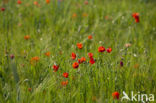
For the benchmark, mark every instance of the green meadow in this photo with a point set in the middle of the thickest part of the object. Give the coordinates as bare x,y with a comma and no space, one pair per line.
36,36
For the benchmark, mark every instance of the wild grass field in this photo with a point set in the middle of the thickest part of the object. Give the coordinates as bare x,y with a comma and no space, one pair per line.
77,51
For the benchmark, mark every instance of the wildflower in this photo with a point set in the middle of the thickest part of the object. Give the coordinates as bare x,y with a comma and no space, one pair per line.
92,61
55,68
86,2
90,55
115,95
64,83
90,37
47,54
19,2
74,15
36,3
36,58
121,63
12,56
26,37
29,89
136,17
65,75
47,1
101,49
2,9
73,56
109,50
83,59
75,65
79,45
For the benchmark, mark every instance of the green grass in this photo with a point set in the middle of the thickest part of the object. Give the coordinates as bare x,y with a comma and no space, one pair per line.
52,28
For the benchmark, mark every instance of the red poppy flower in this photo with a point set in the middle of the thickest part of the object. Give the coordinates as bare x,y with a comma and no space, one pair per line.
115,95
19,1
12,56
2,9
74,15
26,37
47,54
29,89
83,59
73,56
90,55
101,49
64,83
92,61
90,37
109,50
65,75
47,1
75,65
136,17
34,60
79,45
86,2
55,68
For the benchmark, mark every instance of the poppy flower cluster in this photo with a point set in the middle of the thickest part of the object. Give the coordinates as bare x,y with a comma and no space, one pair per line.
136,17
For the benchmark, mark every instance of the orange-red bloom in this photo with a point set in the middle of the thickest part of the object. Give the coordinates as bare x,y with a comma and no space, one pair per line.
26,37
90,37
64,83
92,61
101,49
65,75
86,2
109,50
73,56
83,59
79,45
2,9
19,2
47,54
47,1
136,17
29,89
75,65
55,68
115,95
36,3
90,55
34,59
74,15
